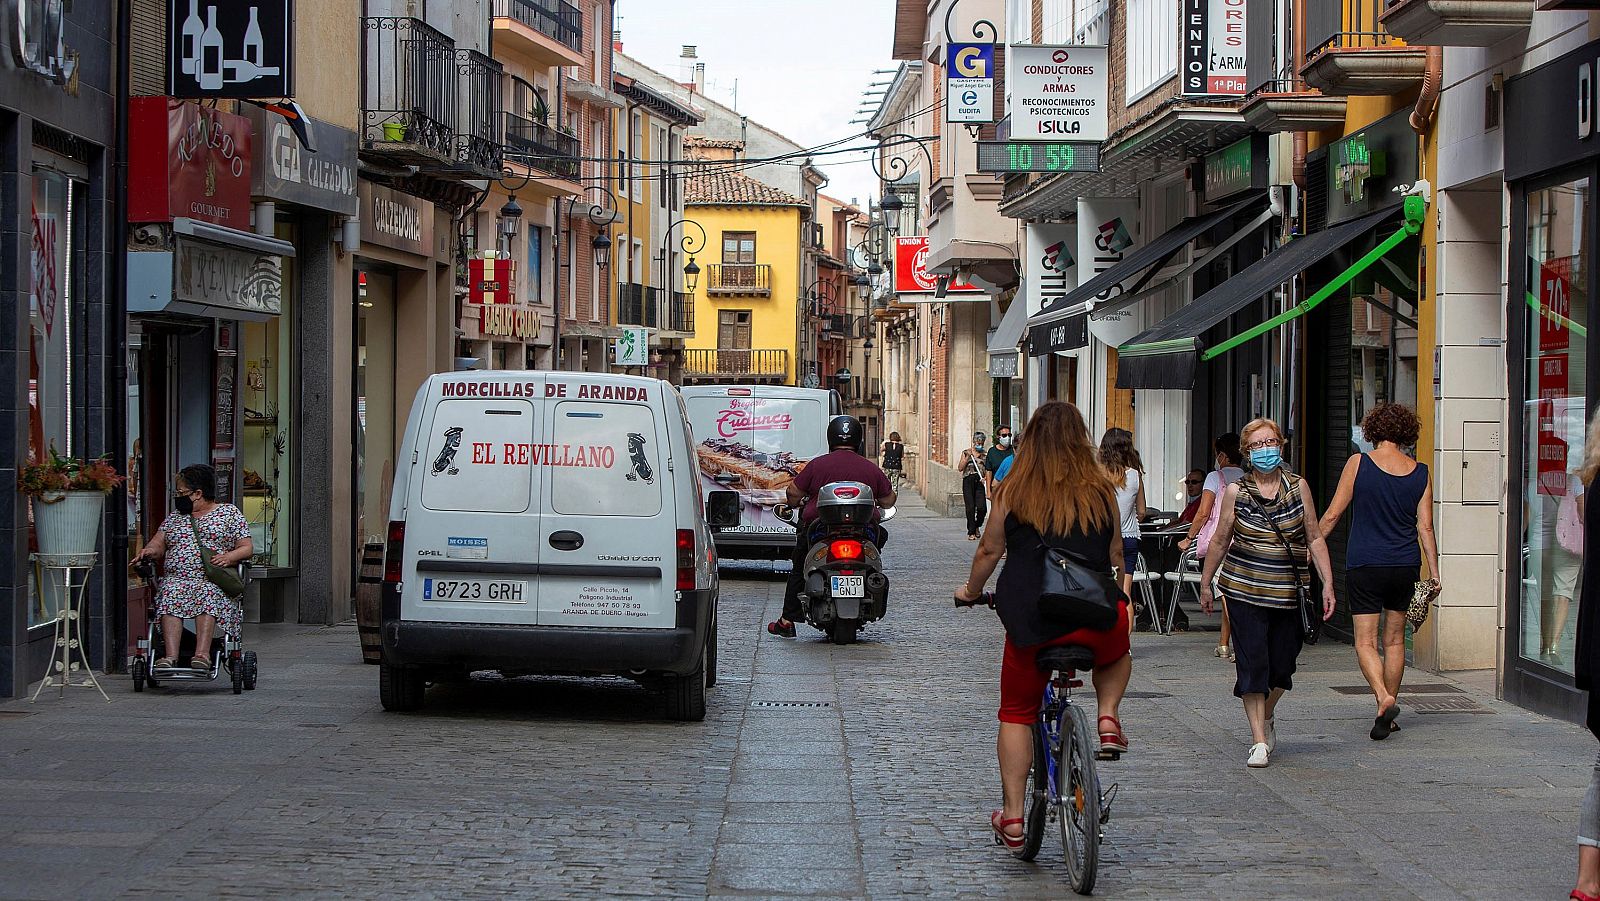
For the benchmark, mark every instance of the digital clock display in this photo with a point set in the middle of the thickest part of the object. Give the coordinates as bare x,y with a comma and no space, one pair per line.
1038,156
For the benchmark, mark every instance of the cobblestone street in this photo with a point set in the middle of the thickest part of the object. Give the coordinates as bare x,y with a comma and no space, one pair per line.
862,771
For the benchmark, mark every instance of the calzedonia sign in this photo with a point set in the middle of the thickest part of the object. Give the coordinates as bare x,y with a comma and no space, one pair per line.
393,219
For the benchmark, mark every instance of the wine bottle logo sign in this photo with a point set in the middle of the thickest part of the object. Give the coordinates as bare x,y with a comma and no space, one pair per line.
221,49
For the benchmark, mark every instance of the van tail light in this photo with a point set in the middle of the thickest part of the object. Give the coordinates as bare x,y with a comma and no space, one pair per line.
686,574
394,554
845,550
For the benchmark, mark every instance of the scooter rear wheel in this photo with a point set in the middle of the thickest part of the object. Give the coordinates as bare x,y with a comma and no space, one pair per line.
843,631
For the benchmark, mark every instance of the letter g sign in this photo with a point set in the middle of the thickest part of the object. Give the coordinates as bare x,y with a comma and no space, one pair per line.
971,60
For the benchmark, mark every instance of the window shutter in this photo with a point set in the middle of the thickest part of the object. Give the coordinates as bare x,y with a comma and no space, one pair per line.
148,42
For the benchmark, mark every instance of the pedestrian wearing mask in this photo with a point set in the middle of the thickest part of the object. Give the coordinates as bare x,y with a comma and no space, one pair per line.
197,525
1228,460
1586,667
1267,530
974,490
1391,513
997,456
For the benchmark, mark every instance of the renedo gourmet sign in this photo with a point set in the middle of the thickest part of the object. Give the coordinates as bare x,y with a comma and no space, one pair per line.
1058,93
187,161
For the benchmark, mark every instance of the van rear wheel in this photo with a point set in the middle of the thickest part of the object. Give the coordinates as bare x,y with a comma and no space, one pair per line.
686,694
400,688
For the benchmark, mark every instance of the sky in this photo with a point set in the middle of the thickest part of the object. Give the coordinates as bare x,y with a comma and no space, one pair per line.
799,66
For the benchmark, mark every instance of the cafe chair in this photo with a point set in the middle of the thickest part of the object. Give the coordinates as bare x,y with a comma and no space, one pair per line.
1186,575
1143,579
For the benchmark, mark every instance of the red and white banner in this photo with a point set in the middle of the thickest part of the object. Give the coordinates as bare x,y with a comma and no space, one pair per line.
1551,446
491,281
911,269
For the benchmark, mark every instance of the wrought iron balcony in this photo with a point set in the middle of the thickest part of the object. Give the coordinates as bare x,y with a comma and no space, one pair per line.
733,363
639,305
682,312
739,278
541,146
410,86
1349,53
478,145
548,31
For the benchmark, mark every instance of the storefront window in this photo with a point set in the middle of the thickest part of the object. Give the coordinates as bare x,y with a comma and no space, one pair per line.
266,441
54,254
1383,357
1554,410
375,407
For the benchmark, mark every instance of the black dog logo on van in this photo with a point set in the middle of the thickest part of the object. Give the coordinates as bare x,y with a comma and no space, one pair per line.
641,467
445,462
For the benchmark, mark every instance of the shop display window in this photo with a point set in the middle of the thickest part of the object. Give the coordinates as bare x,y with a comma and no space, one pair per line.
1554,411
266,434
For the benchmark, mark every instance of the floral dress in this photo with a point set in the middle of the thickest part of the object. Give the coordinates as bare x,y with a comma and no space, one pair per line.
185,592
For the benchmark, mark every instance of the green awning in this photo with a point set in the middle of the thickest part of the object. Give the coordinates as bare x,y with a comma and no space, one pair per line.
1169,354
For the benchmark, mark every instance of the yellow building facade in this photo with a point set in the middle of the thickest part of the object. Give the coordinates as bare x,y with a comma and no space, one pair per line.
746,300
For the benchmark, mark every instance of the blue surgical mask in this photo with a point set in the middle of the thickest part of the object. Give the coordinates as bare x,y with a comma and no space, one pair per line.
1266,459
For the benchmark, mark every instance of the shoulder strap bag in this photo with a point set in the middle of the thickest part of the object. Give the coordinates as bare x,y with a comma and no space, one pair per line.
226,578
1073,595
1310,616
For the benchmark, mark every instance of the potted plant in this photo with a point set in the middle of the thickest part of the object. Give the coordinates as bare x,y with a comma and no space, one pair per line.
394,131
68,498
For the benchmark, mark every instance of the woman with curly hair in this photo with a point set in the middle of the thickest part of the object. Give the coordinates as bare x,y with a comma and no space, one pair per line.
1391,514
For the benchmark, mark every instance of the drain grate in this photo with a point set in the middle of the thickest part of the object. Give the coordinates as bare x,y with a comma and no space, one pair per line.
14,714
1444,705
1146,695
1422,688
791,704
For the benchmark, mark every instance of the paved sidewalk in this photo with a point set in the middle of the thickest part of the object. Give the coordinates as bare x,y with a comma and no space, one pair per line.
861,771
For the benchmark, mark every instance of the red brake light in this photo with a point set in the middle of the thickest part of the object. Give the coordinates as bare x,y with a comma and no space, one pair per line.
686,560
394,554
847,492
845,550
738,392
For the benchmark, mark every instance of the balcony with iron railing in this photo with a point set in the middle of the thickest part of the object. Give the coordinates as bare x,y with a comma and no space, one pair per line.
540,146
732,279
682,313
479,152
409,91
1348,52
736,363
638,305
1287,103
547,32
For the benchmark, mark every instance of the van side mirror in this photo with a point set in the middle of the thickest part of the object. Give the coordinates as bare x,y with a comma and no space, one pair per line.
724,509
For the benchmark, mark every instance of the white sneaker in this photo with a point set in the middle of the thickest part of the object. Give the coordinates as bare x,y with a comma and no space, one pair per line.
1272,735
1259,754
1222,650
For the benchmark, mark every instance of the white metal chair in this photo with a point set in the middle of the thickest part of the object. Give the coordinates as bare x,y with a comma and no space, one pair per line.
1142,579
1187,574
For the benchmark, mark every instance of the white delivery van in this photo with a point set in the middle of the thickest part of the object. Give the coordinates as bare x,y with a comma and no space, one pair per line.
754,439
550,522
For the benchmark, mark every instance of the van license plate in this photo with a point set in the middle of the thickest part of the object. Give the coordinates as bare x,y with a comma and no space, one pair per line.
849,586
489,591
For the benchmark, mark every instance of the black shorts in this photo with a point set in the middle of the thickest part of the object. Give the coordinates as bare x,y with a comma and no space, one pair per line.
1374,589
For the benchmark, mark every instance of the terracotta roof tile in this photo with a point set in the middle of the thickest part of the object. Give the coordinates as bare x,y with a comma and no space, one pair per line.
723,188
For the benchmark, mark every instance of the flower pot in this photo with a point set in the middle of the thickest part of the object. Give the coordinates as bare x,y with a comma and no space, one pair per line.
394,131
68,522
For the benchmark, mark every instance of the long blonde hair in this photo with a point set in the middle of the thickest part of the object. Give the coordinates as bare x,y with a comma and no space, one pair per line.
1057,484
1590,467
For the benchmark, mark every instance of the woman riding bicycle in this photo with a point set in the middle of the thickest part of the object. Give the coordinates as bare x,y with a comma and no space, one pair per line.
1057,495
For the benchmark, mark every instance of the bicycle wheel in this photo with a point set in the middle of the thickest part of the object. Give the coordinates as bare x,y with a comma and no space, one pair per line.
1080,800
1037,799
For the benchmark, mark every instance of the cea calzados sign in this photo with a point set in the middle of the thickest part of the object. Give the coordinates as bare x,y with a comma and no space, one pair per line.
1058,92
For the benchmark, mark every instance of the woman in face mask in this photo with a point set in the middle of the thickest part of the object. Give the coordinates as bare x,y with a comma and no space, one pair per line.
1267,530
185,591
974,490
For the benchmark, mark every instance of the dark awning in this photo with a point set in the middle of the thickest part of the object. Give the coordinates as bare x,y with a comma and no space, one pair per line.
1150,256
1168,354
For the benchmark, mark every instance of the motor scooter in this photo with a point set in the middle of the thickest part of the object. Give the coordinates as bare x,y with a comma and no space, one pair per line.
845,587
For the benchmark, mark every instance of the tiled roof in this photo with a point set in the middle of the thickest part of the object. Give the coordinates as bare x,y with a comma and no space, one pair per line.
715,143
724,188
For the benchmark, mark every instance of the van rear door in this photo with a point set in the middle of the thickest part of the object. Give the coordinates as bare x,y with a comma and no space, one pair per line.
471,545
608,533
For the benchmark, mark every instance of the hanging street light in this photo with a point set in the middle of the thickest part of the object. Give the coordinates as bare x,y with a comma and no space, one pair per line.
602,249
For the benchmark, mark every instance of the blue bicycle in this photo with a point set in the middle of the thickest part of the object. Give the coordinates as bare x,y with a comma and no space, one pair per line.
1063,786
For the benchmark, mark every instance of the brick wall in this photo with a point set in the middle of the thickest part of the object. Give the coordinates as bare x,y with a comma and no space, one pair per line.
1123,115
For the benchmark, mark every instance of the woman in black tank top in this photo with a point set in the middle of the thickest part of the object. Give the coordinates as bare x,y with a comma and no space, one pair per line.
1057,495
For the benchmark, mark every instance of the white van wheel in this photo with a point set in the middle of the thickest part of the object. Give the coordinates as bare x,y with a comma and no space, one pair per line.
686,695
400,688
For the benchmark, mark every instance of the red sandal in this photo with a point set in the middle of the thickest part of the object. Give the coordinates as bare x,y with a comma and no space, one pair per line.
1013,843
1580,896
1112,741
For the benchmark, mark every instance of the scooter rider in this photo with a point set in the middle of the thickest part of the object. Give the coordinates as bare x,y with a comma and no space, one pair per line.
842,463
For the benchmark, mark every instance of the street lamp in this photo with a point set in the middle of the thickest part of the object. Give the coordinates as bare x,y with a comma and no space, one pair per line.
687,243
510,218
602,249
691,276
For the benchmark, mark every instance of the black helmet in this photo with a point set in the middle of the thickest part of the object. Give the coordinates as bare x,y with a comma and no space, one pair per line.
845,431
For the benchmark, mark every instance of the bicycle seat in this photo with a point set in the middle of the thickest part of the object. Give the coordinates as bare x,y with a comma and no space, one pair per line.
1062,657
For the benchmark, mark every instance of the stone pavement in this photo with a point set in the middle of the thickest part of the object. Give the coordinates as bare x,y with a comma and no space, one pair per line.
861,771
